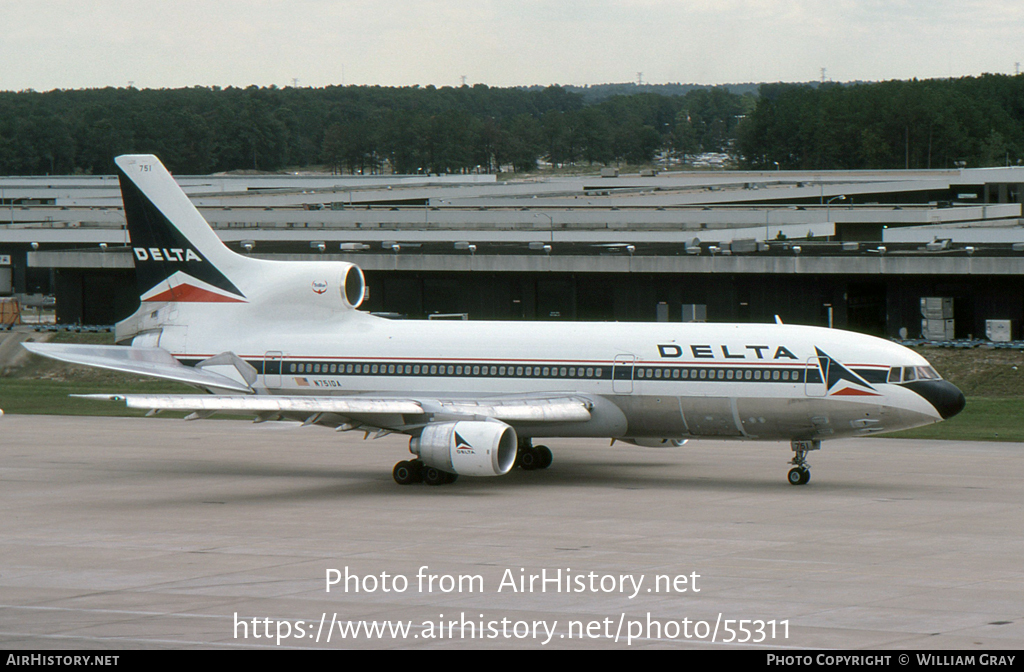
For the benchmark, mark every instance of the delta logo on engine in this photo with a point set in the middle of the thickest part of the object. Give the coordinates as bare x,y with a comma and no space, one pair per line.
462,446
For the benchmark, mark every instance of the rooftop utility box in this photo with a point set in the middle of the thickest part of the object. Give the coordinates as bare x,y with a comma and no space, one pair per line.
999,331
744,245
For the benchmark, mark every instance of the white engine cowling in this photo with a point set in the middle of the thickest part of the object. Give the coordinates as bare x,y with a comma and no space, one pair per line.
331,285
647,442
470,448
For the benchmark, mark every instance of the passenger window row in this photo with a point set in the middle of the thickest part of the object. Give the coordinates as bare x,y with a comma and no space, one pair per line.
467,370
680,373
754,375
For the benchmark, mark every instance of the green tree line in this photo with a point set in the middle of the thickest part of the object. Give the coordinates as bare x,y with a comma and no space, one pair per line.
942,123
973,121
355,129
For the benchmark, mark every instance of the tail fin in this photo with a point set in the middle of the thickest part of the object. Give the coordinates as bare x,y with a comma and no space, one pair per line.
178,257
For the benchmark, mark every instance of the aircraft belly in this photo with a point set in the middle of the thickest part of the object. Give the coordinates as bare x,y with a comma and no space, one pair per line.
724,417
711,416
658,416
755,418
809,418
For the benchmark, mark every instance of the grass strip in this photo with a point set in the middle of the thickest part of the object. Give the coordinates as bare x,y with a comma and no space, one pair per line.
983,419
50,397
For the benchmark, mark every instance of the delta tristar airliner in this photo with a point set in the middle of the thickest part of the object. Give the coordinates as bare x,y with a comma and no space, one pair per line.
285,340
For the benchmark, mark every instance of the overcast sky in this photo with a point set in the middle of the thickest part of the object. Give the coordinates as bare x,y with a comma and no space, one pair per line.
48,44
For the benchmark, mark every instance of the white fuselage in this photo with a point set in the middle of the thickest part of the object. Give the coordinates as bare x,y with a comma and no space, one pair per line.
744,381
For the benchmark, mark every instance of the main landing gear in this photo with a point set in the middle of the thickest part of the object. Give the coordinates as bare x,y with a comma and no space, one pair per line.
532,457
801,471
408,472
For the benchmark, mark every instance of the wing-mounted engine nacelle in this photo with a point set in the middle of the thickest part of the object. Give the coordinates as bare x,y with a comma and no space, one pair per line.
647,442
318,285
470,448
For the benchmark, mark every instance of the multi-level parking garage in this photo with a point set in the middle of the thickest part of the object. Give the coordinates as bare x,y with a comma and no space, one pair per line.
852,249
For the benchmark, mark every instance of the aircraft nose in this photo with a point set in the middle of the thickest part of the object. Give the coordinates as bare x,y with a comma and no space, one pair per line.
946,397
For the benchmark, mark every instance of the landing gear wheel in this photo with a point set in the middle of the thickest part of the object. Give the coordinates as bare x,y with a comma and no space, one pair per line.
544,457
529,459
406,472
799,476
434,476
801,472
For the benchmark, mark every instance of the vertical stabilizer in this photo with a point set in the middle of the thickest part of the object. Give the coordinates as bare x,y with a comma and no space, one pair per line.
178,257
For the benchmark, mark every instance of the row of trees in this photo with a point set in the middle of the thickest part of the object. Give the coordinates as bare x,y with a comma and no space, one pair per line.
368,129
972,121
978,121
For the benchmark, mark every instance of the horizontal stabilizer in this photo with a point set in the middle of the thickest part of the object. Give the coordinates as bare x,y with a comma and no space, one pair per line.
155,362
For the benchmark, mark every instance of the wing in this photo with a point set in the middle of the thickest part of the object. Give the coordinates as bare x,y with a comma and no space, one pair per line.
155,362
229,373
356,412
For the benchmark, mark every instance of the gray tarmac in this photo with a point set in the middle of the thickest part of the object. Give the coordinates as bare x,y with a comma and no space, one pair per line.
122,533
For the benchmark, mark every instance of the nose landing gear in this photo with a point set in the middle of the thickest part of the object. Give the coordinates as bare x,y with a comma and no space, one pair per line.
800,474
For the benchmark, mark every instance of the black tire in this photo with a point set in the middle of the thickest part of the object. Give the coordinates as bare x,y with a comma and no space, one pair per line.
529,459
452,478
796,476
806,476
405,473
544,456
434,476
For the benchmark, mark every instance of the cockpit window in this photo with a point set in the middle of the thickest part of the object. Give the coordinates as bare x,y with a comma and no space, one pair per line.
906,374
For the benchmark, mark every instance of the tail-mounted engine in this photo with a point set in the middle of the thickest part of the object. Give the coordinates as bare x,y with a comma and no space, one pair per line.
470,448
315,285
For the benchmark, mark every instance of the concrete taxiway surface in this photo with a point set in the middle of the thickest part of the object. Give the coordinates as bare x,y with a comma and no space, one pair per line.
146,533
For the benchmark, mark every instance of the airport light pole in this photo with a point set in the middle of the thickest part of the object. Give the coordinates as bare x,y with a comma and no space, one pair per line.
828,206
